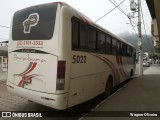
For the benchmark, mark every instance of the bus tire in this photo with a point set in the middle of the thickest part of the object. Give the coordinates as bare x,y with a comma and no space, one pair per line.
108,87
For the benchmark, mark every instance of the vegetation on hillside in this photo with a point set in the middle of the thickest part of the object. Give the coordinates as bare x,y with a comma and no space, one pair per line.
147,44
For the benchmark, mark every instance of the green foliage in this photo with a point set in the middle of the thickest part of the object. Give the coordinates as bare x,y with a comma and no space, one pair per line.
147,44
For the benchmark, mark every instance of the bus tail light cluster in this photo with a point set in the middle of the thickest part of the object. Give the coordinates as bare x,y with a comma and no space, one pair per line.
61,67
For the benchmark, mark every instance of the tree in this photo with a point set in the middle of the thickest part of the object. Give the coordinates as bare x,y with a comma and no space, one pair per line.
147,45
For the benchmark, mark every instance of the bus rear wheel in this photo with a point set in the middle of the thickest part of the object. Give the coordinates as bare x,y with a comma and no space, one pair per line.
109,87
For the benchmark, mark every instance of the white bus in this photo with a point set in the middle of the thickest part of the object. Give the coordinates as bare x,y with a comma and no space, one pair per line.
60,58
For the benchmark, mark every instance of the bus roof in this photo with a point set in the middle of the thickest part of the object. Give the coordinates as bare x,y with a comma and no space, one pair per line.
89,21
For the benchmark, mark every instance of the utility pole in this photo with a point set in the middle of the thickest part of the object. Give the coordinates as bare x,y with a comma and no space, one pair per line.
140,39
136,7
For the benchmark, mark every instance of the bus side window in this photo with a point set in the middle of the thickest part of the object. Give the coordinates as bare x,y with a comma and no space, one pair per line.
114,46
131,52
75,35
91,40
83,37
101,47
118,48
128,49
108,45
124,49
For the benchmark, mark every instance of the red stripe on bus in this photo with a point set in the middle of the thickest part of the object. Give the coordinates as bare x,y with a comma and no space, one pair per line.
120,65
29,66
115,71
20,83
32,68
84,19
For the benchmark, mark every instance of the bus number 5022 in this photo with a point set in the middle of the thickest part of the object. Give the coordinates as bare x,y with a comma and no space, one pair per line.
79,59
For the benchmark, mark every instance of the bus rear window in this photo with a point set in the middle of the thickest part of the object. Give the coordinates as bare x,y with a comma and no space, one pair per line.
34,23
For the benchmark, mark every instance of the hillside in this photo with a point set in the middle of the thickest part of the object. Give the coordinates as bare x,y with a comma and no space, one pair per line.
147,44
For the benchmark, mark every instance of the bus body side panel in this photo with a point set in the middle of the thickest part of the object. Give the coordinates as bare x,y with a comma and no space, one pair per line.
88,79
127,67
90,71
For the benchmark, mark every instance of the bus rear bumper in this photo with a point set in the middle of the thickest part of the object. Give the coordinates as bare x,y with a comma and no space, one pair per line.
56,101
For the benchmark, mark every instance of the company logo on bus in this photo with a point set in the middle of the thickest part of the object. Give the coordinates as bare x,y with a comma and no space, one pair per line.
30,22
26,75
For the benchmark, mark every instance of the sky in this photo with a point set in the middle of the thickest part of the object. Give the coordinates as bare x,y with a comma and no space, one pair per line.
116,22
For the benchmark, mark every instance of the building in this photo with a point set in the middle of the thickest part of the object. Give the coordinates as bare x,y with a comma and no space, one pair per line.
154,8
3,56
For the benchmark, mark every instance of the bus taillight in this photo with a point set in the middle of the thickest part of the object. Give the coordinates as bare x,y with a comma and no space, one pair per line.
61,67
